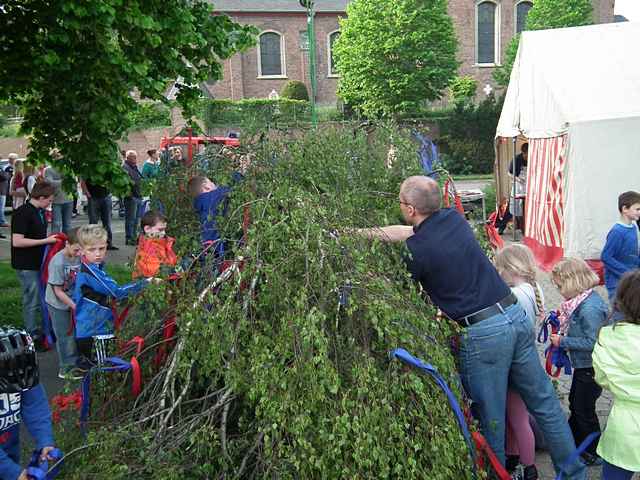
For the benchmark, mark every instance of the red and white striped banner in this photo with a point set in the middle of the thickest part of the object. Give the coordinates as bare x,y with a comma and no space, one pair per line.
544,216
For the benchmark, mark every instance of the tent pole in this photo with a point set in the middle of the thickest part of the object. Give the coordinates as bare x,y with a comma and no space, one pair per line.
513,187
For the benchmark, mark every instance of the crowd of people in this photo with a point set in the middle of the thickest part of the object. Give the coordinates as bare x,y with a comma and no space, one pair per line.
496,306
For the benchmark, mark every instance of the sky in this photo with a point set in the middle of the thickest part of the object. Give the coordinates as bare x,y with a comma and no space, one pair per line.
628,8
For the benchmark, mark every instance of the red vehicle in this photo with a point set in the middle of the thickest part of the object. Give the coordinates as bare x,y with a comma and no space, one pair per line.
191,145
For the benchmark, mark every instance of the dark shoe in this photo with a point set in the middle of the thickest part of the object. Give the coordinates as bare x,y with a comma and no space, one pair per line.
2,236
112,247
131,242
512,462
40,344
591,459
5,225
84,364
530,472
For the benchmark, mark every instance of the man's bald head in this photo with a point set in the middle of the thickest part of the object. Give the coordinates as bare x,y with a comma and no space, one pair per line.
423,193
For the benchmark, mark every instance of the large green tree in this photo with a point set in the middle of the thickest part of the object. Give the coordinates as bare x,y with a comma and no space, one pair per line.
72,66
392,55
546,14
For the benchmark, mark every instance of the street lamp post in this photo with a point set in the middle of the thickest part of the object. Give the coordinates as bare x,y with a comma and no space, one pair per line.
309,4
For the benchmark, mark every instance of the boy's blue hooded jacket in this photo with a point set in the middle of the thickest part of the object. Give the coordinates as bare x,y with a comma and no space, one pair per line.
32,407
209,205
94,290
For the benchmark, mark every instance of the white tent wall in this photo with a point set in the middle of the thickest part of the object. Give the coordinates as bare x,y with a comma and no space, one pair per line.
572,75
603,161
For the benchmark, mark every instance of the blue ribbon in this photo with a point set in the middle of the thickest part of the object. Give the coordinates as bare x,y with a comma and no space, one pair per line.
576,453
559,358
116,364
551,321
38,469
404,356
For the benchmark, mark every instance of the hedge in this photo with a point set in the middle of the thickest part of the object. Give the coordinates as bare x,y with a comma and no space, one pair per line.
256,111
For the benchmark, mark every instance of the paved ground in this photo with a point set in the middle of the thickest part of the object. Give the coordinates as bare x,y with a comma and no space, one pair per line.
49,367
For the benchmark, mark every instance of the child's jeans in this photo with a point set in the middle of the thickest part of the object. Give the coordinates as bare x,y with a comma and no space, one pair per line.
520,438
65,339
31,313
611,472
583,419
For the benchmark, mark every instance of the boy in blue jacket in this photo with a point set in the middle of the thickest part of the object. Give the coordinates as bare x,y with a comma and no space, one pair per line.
621,252
21,398
95,290
210,201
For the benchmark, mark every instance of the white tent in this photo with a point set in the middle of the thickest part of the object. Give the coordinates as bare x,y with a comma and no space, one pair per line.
574,93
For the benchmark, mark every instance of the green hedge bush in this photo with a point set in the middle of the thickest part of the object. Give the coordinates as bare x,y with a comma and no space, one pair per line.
295,90
467,136
255,111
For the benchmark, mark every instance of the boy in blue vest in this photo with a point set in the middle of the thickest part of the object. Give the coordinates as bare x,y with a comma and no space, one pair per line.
22,398
95,291
621,252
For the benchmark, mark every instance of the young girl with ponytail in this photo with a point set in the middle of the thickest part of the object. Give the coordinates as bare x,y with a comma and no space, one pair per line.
516,266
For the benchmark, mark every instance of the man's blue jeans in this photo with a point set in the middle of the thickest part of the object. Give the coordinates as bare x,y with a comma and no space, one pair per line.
101,208
3,204
62,213
31,312
65,338
131,217
500,352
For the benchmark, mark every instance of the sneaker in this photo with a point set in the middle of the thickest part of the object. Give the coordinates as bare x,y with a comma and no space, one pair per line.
112,247
530,472
84,365
71,374
591,459
512,463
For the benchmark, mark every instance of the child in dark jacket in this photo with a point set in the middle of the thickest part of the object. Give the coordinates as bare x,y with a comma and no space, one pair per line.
581,315
210,201
621,252
95,290
22,398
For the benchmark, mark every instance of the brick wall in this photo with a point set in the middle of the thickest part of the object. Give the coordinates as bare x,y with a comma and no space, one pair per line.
241,71
463,14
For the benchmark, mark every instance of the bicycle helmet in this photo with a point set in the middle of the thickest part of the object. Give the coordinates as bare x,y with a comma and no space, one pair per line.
18,361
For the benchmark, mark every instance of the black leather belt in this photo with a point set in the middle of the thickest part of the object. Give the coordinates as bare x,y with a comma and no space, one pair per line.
490,311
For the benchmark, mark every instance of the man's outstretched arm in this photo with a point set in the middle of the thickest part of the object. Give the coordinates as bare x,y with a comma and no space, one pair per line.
390,233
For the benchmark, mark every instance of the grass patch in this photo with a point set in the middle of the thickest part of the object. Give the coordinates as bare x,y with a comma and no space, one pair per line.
11,311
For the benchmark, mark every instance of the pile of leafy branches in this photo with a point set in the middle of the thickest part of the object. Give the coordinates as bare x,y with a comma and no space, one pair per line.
280,368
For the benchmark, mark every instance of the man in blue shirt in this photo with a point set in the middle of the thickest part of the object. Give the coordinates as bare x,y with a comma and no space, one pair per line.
496,346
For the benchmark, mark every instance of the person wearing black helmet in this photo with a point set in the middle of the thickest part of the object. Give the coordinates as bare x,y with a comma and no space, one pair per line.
22,398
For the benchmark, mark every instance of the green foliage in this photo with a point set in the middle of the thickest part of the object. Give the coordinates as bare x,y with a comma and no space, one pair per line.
11,311
256,112
304,378
466,136
546,14
149,115
9,130
385,71
463,89
71,67
295,90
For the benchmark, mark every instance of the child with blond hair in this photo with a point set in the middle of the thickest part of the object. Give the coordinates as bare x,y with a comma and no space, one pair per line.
95,291
581,315
516,266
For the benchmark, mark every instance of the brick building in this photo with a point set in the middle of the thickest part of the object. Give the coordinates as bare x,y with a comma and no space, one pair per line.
484,29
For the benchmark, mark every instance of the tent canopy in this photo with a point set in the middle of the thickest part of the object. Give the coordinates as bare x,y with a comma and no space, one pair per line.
571,75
